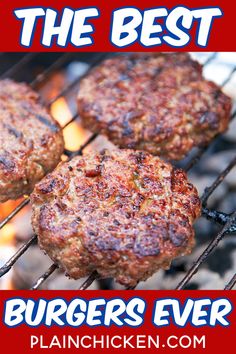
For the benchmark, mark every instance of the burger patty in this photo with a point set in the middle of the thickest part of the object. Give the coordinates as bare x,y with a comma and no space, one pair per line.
155,102
123,213
31,142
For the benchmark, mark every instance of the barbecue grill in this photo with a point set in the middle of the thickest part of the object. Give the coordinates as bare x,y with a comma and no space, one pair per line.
227,221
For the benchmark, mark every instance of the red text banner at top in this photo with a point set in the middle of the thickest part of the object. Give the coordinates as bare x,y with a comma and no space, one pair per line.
196,25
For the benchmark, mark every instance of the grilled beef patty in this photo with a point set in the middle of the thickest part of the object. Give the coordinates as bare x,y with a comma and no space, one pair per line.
122,213
155,102
31,142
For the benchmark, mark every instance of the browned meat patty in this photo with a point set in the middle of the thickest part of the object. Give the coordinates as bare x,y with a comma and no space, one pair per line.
155,102
122,213
31,142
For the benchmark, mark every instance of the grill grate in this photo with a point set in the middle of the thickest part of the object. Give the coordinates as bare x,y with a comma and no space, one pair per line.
227,220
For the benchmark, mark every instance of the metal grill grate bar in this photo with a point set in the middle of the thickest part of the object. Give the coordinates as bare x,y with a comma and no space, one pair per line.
195,159
219,217
14,212
70,87
209,190
213,244
44,277
231,283
16,67
8,265
54,66
229,77
211,57
89,281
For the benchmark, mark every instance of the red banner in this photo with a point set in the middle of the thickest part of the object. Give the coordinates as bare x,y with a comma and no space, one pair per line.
196,25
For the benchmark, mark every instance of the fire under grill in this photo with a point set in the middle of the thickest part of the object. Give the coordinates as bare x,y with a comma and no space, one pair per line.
22,65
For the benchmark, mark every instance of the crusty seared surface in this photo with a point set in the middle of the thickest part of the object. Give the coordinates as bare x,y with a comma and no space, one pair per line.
155,102
122,213
31,142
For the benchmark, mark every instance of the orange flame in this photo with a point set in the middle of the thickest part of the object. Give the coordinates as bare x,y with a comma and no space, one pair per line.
7,235
74,134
